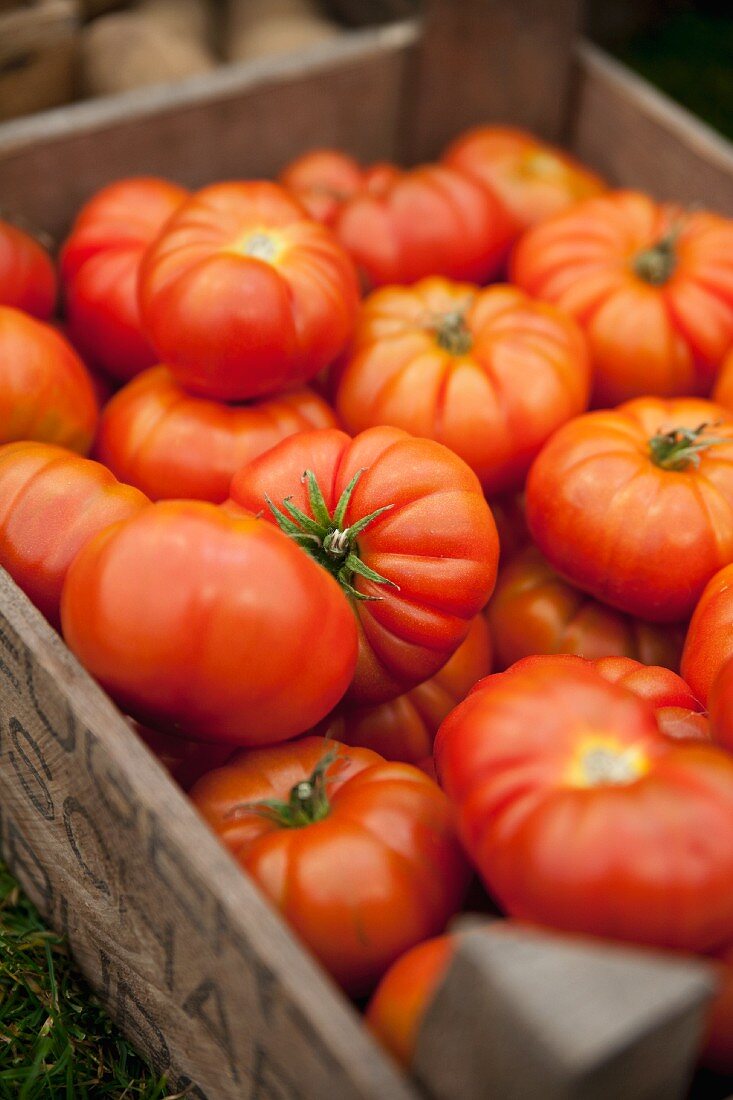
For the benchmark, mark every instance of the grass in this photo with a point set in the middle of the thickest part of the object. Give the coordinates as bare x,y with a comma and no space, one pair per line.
56,1041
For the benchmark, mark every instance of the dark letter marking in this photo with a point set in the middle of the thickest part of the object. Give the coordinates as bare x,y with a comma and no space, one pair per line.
40,797
215,1022
72,809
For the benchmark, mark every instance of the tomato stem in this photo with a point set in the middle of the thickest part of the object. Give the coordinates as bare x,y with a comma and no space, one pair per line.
326,538
307,802
681,447
655,265
452,333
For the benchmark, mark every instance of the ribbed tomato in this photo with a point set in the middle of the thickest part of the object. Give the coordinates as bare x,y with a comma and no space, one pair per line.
533,610
404,728
651,285
635,505
99,266
27,275
51,503
324,179
209,624
243,295
489,373
403,525
581,815
534,180
45,390
431,220
679,712
709,641
358,854
154,435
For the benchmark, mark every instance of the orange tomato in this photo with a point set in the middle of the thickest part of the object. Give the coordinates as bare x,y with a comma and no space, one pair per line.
489,373
709,641
651,285
324,179
723,390
27,275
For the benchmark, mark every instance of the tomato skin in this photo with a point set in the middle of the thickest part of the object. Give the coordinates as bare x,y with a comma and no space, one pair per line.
431,220
533,610
720,705
51,503
639,537
209,624
27,275
472,399
99,266
679,713
398,1005
154,435
666,339
381,872
301,302
580,815
404,728
709,641
46,392
723,389
534,180
324,179
437,542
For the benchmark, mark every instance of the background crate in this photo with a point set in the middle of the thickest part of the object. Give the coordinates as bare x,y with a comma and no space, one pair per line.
38,45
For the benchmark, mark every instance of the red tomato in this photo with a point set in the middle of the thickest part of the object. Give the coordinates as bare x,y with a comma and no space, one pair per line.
431,220
709,641
720,704
154,435
51,503
581,815
679,713
403,525
397,1007
27,276
324,179
651,285
635,505
99,267
511,523
45,390
209,624
358,854
533,180
242,295
723,389
533,610
404,728
489,373
186,760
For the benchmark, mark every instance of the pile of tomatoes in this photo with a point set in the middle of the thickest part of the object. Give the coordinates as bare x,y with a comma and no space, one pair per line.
319,413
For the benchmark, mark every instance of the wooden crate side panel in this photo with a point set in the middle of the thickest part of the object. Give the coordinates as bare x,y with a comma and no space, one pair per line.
242,121
195,967
637,137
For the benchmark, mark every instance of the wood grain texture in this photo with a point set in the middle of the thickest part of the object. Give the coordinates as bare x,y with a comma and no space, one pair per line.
488,61
522,1013
637,137
193,964
244,120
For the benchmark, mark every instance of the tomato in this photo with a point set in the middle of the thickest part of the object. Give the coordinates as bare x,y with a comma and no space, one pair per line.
51,503
709,641
154,435
717,1050
404,728
723,390
45,390
511,523
27,276
186,760
635,505
489,373
679,713
324,179
99,266
534,180
720,705
403,525
398,1005
359,855
651,285
579,814
533,610
243,295
431,220
209,624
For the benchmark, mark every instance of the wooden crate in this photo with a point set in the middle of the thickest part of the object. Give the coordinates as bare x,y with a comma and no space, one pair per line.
38,44
191,961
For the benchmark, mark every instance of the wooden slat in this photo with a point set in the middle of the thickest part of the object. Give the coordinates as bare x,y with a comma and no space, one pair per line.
637,137
193,964
243,120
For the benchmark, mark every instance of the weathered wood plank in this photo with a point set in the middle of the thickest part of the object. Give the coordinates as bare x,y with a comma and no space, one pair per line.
637,137
244,120
193,964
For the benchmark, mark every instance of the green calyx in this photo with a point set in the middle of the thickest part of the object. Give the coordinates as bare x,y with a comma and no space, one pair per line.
680,448
307,803
325,537
656,265
453,334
